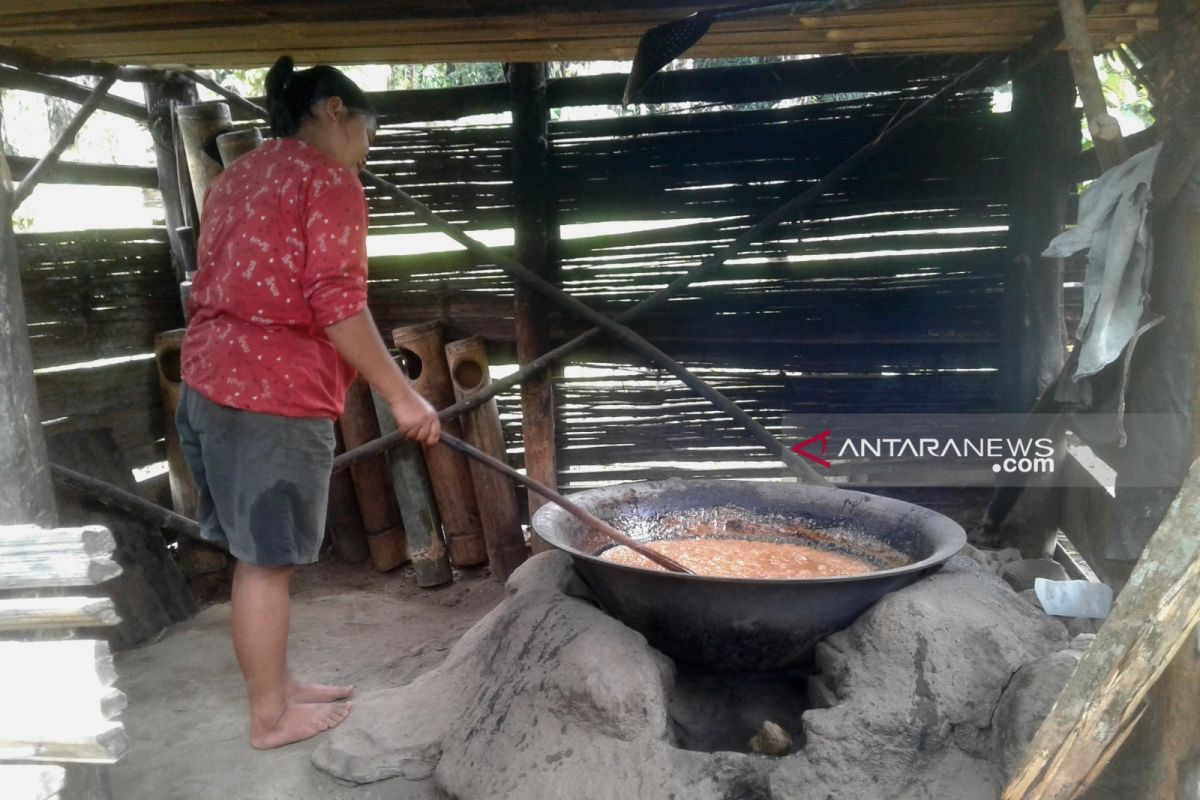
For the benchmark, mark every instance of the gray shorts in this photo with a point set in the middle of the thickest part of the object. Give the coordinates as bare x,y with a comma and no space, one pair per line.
263,480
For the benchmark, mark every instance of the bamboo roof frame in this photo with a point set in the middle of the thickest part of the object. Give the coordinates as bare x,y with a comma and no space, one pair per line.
250,33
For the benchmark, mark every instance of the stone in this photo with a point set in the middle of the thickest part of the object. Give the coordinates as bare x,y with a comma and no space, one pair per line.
1030,596
1021,574
1027,701
771,740
915,681
550,697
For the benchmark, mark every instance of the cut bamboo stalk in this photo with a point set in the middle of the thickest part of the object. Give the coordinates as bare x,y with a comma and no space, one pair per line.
235,144
40,564
56,613
343,519
372,482
424,350
90,539
1153,618
497,497
199,125
422,529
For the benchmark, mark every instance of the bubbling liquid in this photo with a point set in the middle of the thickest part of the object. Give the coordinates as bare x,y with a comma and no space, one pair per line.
741,558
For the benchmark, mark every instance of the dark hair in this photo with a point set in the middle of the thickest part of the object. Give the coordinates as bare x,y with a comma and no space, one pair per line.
291,94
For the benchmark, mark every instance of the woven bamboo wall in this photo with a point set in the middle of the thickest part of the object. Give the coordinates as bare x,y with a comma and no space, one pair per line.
872,317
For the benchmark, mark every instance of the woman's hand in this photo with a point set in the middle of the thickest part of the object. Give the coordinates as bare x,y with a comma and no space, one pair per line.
357,340
416,418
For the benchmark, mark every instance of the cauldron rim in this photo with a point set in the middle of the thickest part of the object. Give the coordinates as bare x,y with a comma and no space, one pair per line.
955,536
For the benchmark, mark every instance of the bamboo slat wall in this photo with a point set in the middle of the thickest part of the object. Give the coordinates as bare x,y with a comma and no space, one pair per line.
100,296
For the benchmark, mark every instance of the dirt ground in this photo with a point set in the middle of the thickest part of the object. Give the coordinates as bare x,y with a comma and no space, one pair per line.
186,719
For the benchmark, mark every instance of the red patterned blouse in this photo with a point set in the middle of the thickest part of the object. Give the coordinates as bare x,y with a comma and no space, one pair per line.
282,254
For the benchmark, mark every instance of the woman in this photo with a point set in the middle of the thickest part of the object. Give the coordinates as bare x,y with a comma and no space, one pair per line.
278,326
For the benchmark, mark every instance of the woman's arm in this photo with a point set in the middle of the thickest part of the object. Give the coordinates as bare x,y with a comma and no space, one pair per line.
357,340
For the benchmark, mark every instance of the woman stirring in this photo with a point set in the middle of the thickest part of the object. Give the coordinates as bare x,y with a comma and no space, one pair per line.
278,326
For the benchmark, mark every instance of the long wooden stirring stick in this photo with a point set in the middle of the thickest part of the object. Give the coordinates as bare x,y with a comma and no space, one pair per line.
590,520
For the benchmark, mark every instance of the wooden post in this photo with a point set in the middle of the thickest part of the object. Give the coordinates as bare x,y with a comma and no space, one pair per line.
534,245
495,492
1045,135
26,491
1106,132
159,97
424,350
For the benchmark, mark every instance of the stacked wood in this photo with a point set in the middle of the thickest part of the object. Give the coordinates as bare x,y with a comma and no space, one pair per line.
413,493
38,559
66,705
497,497
372,482
423,348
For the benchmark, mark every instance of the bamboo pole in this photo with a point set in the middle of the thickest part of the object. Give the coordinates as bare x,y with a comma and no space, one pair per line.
414,495
1106,131
68,90
65,140
235,144
343,520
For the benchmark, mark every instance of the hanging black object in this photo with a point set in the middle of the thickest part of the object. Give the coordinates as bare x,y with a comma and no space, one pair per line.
664,43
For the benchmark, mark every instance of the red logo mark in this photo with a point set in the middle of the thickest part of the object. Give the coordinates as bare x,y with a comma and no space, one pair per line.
823,436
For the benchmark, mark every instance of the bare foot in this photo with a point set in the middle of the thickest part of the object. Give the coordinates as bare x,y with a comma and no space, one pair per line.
298,722
316,692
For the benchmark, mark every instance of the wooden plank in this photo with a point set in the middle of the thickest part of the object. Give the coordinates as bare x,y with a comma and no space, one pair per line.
56,613
1152,619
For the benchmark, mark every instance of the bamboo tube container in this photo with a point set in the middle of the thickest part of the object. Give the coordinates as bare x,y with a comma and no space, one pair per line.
235,144
372,482
199,125
495,493
430,559
424,350
195,557
343,520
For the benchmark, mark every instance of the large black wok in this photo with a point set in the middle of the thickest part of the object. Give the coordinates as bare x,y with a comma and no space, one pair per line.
741,624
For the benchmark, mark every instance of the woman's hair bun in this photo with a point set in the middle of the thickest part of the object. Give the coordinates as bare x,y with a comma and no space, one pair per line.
291,94
280,75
